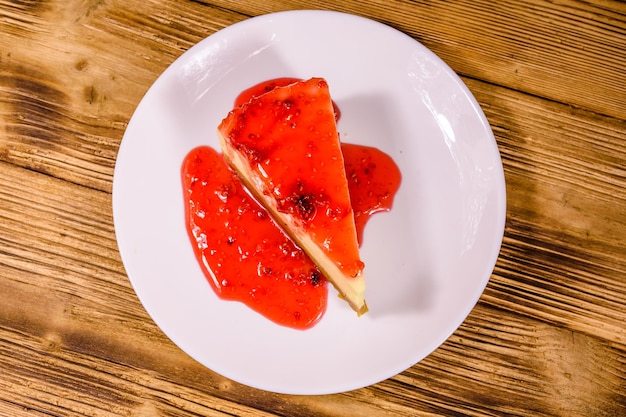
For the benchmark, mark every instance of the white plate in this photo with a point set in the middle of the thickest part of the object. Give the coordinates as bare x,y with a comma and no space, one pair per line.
427,261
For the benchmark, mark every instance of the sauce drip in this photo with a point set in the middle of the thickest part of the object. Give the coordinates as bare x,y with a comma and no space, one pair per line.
373,180
244,255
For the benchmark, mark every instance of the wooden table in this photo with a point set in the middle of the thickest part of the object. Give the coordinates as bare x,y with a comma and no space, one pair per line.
548,336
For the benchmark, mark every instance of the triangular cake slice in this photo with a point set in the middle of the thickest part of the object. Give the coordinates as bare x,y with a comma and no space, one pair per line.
285,147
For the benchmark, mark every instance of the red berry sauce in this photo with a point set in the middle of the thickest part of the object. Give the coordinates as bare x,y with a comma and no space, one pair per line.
242,252
373,180
244,255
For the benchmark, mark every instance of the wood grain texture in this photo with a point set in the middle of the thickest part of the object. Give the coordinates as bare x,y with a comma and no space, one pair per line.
72,73
547,338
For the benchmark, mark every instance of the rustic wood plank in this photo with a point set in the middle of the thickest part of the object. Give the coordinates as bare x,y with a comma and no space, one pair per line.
547,337
510,365
66,382
72,73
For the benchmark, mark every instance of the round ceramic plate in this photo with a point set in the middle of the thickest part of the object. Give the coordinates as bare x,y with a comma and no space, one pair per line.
427,261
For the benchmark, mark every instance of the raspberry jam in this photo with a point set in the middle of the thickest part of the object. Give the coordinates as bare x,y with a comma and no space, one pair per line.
241,251
244,255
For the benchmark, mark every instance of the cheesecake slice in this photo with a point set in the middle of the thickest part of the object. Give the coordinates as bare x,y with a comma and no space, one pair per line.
284,146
